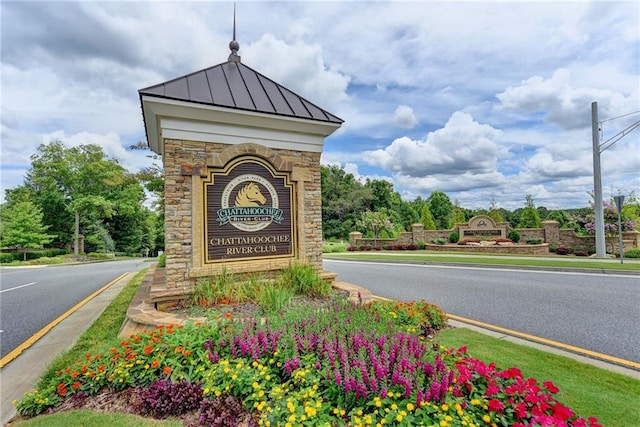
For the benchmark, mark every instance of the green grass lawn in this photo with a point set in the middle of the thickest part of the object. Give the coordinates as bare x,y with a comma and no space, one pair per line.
613,398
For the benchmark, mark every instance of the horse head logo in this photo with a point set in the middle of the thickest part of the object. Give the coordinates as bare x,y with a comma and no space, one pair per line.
250,195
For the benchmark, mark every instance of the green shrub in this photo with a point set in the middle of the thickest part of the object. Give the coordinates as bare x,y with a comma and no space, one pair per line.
162,260
534,240
514,236
7,257
273,298
454,237
333,247
553,247
421,245
632,253
439,241
303,279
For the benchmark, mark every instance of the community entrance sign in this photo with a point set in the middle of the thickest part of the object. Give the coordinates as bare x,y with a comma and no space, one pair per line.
482,226
250,212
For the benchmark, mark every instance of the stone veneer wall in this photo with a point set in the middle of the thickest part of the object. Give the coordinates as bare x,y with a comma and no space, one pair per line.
550,232
185,165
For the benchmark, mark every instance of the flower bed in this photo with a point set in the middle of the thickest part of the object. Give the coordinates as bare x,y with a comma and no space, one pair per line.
352,365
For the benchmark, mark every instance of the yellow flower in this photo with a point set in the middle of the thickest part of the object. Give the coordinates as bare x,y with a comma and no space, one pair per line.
445,407
410,407
486,419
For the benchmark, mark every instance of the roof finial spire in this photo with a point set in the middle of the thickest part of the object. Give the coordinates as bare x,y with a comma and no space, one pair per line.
234,45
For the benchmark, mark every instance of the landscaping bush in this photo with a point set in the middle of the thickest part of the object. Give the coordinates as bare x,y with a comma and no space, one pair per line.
534,240
514,236
632,253
421,245
164,398
7,257
162,260
562,250
454,237
553,247
438,241
581,253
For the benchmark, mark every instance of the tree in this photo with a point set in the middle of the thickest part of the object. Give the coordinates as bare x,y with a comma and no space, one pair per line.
375,222
441,209
562,217
611,223
343,200
21,226
494,212
79,187
457,216
529,217
427,219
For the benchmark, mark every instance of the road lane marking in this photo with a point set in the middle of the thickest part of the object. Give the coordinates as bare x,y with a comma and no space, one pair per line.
35,337
18,287
570,348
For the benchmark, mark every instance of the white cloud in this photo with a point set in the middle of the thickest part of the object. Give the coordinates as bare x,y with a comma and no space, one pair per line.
299,67
461,146
562,104
405,117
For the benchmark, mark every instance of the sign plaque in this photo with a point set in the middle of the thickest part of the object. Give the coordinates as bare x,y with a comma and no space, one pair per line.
249,212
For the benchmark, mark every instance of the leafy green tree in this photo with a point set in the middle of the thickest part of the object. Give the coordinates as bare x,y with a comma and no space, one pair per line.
375,223
494,212
21,226
343,200
427,219
441,209
562,217
79,186
529,217
457,216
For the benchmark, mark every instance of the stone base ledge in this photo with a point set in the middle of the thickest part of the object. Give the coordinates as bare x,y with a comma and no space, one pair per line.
143,313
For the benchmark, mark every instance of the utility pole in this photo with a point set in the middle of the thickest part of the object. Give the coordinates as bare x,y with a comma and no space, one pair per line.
597,183
597,174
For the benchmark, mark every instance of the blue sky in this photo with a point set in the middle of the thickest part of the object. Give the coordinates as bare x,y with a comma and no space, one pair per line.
482,100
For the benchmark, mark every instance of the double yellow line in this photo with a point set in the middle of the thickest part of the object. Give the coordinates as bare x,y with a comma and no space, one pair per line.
35,337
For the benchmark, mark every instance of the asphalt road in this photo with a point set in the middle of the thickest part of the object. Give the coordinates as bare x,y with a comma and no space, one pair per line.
598,312
31,298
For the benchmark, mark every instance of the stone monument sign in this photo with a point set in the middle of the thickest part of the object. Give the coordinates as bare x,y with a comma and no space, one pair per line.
241,158
483,227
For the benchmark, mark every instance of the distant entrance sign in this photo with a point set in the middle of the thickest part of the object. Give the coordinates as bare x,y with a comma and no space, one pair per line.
249,212
482,226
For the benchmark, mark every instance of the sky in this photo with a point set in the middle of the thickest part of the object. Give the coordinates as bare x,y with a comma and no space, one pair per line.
485,101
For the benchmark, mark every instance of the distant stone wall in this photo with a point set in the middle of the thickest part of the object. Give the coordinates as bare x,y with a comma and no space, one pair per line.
550,233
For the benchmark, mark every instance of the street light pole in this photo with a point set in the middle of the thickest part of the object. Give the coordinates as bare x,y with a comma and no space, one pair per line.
597,183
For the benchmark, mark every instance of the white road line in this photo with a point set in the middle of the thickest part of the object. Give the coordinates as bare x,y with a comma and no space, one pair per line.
18,287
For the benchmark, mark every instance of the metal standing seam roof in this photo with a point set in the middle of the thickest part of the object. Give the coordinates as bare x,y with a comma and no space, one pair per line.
234,85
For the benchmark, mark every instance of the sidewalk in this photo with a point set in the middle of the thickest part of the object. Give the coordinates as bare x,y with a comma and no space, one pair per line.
23,373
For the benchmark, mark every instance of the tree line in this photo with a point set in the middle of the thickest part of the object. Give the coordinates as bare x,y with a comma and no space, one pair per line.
347,205
73,191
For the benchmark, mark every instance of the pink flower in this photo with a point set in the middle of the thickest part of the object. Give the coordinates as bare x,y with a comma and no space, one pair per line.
551,387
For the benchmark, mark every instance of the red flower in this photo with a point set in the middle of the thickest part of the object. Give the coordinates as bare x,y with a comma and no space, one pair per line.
495,405
76,385
166,370
551,387
148,349
155,364
561,412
